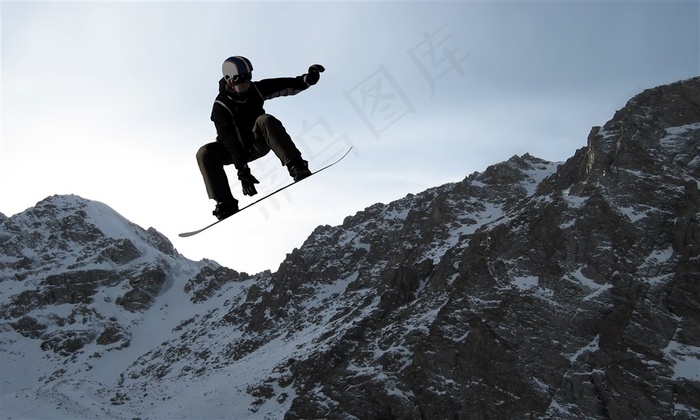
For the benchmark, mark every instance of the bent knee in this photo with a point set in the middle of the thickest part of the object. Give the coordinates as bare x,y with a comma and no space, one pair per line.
202,153
209,151
266,119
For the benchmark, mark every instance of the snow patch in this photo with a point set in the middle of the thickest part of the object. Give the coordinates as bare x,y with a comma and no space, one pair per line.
574,201
633,214
597,289
591,347
686,360
538,174
526,283
674,134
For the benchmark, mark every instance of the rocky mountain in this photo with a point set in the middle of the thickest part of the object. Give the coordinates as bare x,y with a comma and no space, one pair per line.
530,290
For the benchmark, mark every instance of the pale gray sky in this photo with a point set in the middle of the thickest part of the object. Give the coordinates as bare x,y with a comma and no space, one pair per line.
111,101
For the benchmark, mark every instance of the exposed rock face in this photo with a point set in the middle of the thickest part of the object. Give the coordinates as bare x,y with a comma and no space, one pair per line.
581,299
531,290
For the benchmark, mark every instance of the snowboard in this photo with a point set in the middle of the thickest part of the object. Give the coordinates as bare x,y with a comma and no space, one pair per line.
194,232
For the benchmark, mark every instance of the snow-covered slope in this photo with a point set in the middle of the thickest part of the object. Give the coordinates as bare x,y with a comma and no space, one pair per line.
530,290
84,294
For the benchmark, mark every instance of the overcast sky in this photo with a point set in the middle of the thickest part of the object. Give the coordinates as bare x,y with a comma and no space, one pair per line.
110,101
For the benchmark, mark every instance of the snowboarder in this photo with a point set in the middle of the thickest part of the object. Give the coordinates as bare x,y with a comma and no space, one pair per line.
246,133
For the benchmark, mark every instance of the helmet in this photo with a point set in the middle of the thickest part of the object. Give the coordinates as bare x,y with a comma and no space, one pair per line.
235,67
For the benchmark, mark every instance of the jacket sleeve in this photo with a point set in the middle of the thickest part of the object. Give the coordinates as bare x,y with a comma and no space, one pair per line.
227,133
282,86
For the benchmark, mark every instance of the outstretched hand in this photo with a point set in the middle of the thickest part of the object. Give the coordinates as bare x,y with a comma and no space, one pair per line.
314,74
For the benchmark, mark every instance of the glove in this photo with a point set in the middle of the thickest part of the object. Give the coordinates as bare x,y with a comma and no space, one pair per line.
314,74
248,181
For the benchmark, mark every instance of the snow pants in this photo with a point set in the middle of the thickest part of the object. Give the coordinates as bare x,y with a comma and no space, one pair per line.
268,134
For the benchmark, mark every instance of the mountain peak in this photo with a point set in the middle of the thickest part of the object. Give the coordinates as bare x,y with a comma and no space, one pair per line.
672,105
653,132
84,256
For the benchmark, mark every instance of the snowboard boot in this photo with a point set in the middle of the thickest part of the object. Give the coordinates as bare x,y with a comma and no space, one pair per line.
299,169
225,209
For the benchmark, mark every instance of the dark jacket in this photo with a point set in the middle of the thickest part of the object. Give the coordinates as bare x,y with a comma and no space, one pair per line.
234,116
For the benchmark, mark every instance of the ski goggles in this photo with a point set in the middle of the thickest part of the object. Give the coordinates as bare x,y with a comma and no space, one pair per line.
240,78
